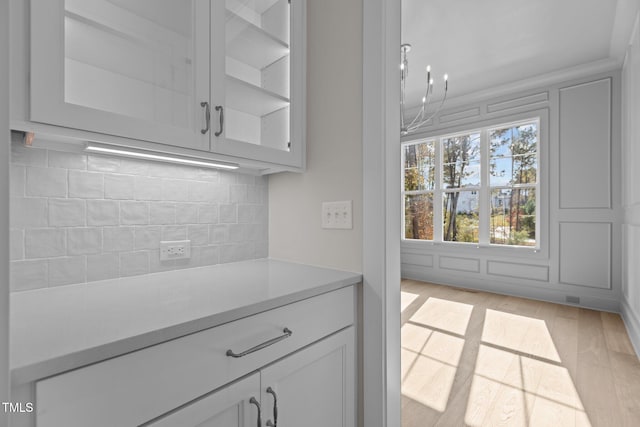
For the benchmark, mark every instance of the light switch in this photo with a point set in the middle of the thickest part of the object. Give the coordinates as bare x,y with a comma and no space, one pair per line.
337,215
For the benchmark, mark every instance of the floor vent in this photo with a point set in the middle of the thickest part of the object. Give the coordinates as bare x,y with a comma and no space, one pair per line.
573,300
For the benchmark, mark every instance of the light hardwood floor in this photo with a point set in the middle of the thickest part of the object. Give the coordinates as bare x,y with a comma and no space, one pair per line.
479,359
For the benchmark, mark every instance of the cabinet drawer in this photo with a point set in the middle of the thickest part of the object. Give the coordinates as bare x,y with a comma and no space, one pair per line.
136,387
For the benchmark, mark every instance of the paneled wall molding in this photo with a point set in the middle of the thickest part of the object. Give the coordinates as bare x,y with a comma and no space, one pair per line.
518,270
585,145
516,287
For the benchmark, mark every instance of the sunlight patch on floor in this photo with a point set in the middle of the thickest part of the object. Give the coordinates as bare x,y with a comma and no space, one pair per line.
445,315
519,333
516,390
406,298
429,361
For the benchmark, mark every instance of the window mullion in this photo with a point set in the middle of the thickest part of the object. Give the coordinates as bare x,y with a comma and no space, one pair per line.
484,203
437,194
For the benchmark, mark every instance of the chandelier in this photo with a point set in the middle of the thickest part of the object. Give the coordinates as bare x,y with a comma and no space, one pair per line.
408,125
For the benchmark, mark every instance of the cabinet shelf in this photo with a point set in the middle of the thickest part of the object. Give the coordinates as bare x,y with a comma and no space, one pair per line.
250,99
251,44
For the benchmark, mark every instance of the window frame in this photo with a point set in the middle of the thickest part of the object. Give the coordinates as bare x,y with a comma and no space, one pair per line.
484,128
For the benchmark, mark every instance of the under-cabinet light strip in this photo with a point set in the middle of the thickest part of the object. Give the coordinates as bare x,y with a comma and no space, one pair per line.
138,154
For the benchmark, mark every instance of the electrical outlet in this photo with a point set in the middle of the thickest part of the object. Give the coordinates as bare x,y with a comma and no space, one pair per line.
179,249
337,215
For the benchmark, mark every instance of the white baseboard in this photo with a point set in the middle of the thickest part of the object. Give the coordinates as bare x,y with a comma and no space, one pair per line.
632,322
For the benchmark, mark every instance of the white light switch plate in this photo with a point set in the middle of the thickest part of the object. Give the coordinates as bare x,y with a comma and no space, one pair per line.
337,215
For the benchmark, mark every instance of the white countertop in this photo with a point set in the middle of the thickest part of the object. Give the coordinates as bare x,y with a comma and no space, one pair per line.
57,329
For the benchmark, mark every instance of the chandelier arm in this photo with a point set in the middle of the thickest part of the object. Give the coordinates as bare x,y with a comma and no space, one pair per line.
413,127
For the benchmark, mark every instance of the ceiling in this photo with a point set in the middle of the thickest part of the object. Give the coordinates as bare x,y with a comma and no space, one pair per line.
483,44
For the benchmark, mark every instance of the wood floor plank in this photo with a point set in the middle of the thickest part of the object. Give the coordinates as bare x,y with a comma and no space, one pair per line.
545,365
615,333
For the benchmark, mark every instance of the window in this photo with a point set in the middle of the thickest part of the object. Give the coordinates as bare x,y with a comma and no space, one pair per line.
475,187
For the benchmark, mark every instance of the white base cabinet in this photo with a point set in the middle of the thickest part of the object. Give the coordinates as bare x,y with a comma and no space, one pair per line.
290,366
313,388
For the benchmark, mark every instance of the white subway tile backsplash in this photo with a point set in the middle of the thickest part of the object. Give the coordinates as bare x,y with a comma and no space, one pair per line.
16,244
21,155
117,239
45,242
147,188
134,213
18,178
66,212
82,241
77,217
202,191
134,263
207,214
228,214
187,213
218,234
86,185
29,212
103,163
103,212
67,271
147,237
238,193
118,187
174,232
46,182
67,160
134,167
198,234
103,267
175,190
162,213
26,275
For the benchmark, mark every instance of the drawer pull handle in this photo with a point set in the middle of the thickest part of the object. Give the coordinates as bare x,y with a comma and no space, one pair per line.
255,402
275,408
286,333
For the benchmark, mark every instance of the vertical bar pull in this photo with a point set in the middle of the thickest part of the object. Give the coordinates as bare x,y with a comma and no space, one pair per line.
255,402
207,117
275,408
221,109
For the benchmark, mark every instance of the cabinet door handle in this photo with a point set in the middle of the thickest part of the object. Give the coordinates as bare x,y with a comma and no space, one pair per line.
255,402
286,333
219,108
207,117
275,408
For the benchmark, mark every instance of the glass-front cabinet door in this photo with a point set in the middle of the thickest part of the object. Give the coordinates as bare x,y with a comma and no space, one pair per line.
262,114
131,68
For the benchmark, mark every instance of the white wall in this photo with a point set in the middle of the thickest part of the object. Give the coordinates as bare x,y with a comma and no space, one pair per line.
334,148
631,187
580,200
4,211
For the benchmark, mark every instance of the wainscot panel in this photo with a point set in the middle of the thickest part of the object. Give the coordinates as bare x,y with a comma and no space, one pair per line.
518,271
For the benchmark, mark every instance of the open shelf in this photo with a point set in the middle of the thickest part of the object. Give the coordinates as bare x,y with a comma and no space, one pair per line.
251,44
250,99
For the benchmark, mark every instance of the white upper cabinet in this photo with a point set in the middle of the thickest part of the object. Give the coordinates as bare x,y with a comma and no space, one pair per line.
215,75
263,79
131,68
